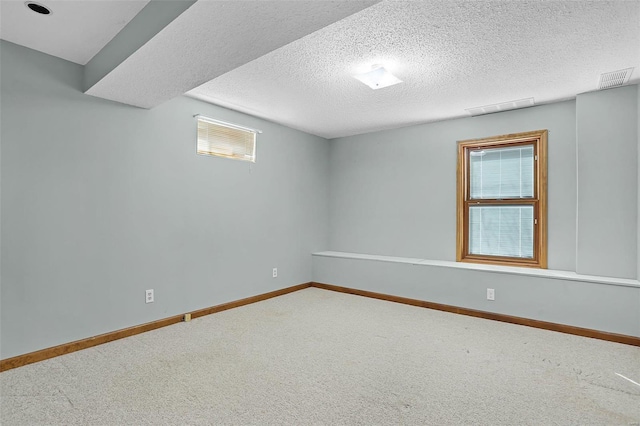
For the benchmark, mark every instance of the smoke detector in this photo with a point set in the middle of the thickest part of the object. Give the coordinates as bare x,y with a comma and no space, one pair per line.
612,79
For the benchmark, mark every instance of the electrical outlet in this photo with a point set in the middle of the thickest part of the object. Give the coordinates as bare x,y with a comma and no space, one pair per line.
148,296
275,272
491,294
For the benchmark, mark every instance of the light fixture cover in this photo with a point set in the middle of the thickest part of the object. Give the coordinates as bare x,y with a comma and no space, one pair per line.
378,78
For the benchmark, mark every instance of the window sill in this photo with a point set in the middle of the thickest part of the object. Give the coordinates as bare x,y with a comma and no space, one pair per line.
532,272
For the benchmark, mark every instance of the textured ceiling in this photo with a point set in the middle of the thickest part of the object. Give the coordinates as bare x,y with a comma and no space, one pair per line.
292,61
450,55
211,38
75,31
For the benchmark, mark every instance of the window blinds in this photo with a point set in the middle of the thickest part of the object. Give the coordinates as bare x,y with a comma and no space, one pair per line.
502,173
501,231
225,141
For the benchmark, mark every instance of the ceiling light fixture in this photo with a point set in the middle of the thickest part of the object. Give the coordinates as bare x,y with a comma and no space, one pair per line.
38,8
378,78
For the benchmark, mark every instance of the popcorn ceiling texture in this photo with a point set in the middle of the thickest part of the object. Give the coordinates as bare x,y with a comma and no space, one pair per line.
211,38
450,55
292,62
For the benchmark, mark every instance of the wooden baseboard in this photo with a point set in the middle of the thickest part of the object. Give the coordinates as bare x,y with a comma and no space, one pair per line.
30,358
585,332
248,300
41,355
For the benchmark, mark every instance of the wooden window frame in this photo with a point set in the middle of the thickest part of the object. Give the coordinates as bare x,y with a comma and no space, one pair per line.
539,140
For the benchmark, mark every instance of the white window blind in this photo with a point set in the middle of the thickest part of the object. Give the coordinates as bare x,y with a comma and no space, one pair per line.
225,140
501,231
502,200
501,173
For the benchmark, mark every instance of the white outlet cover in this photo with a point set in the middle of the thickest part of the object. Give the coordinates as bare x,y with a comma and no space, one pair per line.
149,296
491,294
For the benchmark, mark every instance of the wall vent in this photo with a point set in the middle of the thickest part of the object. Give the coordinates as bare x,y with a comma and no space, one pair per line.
612,79
504,106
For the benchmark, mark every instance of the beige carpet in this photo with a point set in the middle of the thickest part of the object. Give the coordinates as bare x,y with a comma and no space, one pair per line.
320,357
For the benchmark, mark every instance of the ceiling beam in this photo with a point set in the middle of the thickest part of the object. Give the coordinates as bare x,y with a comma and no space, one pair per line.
156,15
206,40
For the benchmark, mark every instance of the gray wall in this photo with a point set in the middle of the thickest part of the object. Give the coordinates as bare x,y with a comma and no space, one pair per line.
0,206
607,140
393,193
606,307
101,201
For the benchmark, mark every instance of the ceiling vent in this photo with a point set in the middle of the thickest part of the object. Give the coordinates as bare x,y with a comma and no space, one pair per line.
612,79
504,106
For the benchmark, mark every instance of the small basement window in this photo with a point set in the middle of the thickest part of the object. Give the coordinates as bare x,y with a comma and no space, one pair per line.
226,140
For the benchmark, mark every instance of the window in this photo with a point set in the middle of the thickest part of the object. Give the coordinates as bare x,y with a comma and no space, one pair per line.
226,140
502,200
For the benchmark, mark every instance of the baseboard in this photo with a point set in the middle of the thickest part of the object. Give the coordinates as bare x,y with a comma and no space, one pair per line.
562,328
248,300
41,355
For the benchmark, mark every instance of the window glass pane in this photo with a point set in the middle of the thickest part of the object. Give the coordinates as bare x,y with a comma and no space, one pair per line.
501,173
501,231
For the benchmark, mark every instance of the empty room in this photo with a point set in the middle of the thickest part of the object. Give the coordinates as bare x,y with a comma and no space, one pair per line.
319,212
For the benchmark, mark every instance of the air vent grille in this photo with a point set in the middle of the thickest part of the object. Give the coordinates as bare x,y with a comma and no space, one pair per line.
614,78
504,106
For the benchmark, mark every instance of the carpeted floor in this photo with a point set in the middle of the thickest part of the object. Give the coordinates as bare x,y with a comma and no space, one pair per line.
320,357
